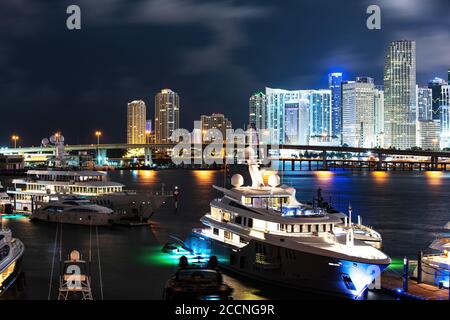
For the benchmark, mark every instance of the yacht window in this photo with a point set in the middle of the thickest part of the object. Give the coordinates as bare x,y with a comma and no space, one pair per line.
227,235
226,216
245,221
309,228
317,227
324,228
238,219
301,228
250,222
216,231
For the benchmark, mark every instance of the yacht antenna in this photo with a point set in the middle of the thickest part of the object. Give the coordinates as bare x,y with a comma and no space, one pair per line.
349,215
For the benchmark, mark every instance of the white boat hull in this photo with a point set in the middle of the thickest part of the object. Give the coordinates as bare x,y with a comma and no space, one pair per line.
300,270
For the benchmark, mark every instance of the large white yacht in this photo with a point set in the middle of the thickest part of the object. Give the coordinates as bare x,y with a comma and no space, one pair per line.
41,186
11,252
263,232
75,211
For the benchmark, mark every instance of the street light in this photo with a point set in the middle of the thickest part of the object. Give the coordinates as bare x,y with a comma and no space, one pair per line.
15,138
98,135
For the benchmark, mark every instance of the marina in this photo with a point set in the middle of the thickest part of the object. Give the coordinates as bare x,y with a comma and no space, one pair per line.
137,252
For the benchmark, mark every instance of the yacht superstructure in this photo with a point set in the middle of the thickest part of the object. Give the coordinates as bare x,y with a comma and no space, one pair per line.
263,232
41,186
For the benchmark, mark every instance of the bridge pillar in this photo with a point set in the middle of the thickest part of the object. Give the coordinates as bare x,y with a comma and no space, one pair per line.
101,157
148,157
324,160
380,162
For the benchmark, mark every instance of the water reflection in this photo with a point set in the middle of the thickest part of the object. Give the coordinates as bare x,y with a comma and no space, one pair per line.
324,176
204,176
434,178
380,177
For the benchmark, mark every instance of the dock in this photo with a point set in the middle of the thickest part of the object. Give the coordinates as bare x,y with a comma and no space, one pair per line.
421,291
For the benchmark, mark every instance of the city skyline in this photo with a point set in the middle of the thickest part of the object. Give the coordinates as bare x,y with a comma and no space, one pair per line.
108,75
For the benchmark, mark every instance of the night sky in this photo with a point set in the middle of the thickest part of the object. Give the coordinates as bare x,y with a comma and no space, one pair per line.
215,54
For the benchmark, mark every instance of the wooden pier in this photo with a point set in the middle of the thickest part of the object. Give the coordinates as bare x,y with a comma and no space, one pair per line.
394,284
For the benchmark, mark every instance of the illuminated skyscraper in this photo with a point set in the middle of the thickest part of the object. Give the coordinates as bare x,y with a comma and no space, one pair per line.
435,86
293,117
215,121
136,121
378,113
334,84
358,113
167,115
424,103
321,113
445,116
428,134
399,94
257,110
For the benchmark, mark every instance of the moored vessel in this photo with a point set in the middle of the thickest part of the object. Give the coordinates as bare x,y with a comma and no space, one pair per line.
263,232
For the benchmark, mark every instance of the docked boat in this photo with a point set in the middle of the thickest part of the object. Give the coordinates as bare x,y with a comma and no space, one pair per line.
75,211
41,186
263,232
197,282
435,267
11,253
5,201
75,279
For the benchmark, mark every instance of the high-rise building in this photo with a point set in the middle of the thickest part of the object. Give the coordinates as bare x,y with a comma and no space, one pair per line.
321,113
167,115
435,85
215,121
334,84
257,110
428,134
292,114
378,113
445,117
424,103
399,94
136,121
358,113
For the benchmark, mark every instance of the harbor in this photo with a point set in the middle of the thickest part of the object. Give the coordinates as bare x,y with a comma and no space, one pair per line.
136,252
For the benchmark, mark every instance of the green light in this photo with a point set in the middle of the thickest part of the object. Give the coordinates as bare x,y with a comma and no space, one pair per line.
13,216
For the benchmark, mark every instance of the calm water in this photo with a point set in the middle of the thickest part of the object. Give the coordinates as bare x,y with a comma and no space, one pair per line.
409,209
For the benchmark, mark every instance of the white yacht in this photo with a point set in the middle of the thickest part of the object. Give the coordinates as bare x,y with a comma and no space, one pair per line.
436,266
11,252
41,186
72,211
264,233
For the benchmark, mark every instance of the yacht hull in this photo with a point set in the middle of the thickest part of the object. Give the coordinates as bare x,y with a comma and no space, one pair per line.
10,272
78,219
290,268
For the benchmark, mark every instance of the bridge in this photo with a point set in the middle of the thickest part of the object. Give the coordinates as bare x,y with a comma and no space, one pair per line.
379,153
153,146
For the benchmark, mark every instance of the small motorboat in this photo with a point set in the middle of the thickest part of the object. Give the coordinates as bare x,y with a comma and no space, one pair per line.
75,281
197,282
